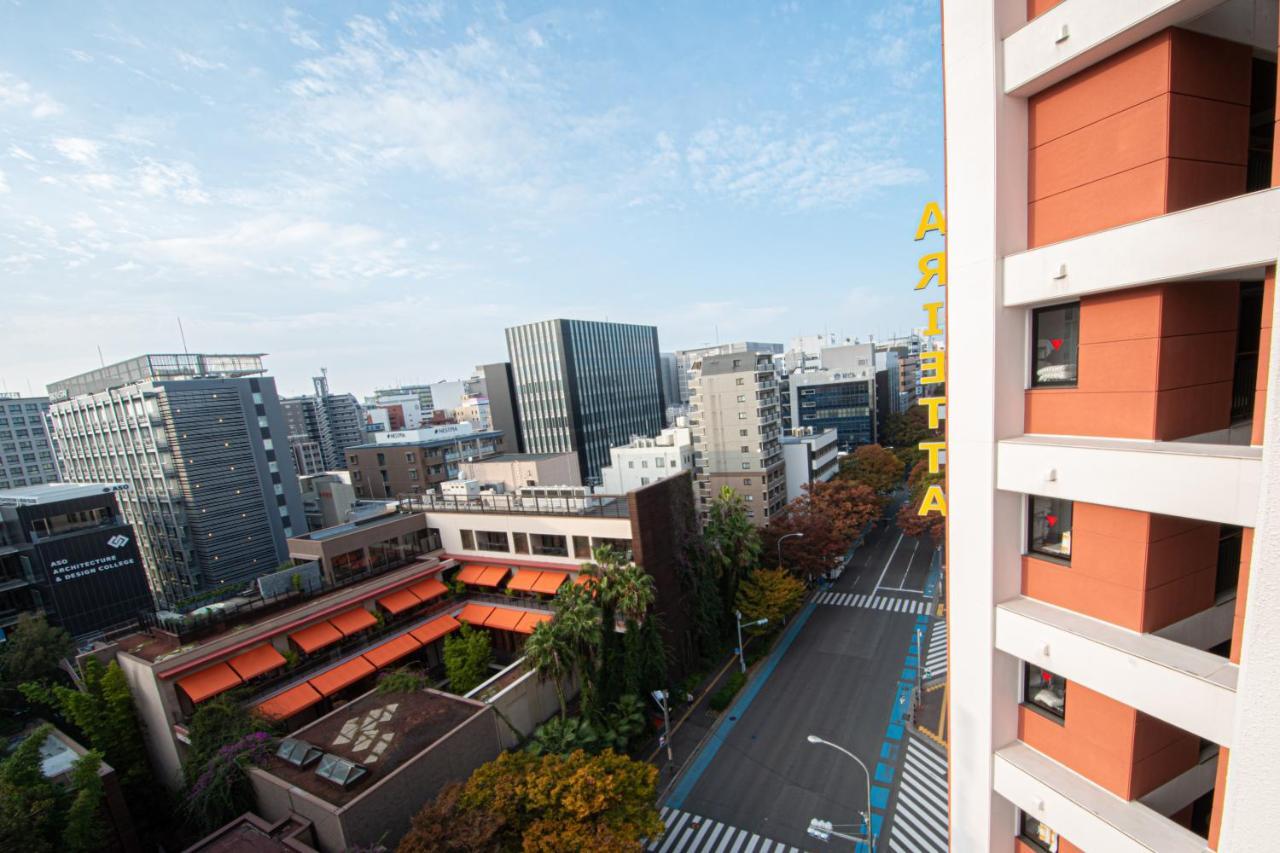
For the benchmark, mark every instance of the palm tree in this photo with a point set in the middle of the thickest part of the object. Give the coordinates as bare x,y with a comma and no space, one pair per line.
548,651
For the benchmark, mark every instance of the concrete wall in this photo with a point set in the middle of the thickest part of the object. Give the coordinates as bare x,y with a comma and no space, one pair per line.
516,472
156,714
450,525
525,704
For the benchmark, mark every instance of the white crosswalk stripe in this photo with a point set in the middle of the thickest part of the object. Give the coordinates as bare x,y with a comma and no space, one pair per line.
887,603
689,833
935,656
920,813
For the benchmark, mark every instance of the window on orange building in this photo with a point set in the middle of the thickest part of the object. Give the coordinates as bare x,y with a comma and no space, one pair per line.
1049,521
1045,691
1037,834
1055,336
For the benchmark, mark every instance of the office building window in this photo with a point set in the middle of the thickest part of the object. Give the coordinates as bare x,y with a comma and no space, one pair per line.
468,540
1038,835
582,547
742,416
1055,333
492,540
1045,691
1050,522
550,545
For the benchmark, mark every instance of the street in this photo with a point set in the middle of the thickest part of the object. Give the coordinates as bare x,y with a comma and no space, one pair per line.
843,671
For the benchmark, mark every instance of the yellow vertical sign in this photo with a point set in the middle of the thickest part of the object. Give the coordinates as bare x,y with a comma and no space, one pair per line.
933,364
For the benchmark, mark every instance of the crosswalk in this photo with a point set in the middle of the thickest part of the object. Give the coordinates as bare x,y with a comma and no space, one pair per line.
689,833
920,816
876,602
935,656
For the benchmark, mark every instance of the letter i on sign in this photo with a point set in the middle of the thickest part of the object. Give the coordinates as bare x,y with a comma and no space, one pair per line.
932,267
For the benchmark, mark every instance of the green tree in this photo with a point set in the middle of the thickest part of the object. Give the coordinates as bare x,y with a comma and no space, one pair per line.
34,650
550,653
31,805
85,830
445,826
578,620
771,594
467,655
909,428
873,466
732,545
103,709
620,589
830,516
222,789
563,735
216,723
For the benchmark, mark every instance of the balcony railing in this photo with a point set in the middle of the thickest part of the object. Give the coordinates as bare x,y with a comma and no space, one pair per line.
594,506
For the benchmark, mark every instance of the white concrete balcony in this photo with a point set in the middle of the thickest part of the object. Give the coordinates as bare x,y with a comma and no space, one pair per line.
1091,817
1183,686
1210,482
1229,239
1078,33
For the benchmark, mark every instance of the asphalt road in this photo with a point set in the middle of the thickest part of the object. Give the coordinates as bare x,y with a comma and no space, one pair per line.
838,679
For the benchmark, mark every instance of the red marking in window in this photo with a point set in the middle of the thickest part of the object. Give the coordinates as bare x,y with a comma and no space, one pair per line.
1057,342
1052,519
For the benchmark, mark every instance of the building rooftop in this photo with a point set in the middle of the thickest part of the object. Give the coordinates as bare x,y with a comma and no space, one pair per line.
49,493
367,523
158,367
435,442
521,457
251,834
392,729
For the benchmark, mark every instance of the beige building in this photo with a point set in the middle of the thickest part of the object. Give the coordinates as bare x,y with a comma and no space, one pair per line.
737,424
517,470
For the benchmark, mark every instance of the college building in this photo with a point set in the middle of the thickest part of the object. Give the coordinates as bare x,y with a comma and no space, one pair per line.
1113,488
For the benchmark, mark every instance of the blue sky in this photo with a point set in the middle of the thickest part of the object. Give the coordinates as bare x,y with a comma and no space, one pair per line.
381,187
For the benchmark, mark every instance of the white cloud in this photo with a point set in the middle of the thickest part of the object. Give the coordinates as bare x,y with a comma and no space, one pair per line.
76,149
80,56
197,63
296,33
18,93
535,38
4,184
176,180
20,153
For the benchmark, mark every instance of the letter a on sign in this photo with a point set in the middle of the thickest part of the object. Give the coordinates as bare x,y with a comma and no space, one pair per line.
931,219
934,501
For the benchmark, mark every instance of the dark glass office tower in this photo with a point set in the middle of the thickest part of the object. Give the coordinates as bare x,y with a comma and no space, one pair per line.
585,386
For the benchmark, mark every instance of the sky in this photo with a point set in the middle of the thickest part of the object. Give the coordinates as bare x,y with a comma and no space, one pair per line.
380,188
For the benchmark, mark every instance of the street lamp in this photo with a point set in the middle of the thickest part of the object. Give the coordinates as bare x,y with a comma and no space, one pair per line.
780,540
742,658
825,826
660,696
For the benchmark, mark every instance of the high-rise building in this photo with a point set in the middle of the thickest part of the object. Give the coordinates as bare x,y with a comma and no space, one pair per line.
26,450
211,497
686,357
321,427
585,386
737,423
842,400
498,386
670,377
1113,485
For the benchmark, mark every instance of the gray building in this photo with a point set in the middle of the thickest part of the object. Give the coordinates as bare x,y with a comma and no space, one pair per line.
585,386
321,427
200,440
26,451
685,359
497,383
669,374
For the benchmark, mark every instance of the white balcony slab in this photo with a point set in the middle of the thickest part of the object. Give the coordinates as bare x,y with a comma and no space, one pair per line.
1078,33
1078,810
1228,239
1185,687
1210,482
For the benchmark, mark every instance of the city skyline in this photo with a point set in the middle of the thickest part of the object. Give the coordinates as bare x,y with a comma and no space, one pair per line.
156,166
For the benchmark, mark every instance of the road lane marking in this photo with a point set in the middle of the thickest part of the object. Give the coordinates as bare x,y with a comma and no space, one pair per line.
887,562
691,833
910,560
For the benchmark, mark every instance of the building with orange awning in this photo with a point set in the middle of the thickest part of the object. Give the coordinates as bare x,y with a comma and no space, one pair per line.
392,650
353,621
209,682
341,676
503,619
315,637
399,602
257,661
435,629
295,700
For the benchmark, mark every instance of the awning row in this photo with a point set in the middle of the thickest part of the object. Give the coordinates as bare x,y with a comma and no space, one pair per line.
533,580
326,633
502,618
221,677
303,696
476,575
410,597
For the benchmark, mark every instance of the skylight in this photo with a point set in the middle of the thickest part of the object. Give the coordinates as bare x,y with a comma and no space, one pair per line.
340,771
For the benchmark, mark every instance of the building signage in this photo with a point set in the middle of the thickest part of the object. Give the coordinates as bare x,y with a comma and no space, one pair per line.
933,364
65,570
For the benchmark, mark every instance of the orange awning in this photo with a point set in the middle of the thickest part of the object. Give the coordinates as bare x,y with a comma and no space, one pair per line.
528,620
316,637
435,629
343,675
583,580
208,683
256,661
392,650
399,602
471,574
429,589
353,621
503,619
475,614
524,580
492,576
290,702
549,582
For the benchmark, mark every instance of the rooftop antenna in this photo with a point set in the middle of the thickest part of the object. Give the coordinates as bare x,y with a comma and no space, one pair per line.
102,361
183,335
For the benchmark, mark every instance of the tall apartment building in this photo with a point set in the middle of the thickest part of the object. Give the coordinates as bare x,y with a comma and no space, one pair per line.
26,450
585,386
1113,480
644,460
321,427
737,423
685,359
497,383
211,497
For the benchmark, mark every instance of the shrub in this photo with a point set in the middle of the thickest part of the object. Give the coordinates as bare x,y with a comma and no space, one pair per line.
722,698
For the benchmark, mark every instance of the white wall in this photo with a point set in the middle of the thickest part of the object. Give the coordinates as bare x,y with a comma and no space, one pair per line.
450,525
